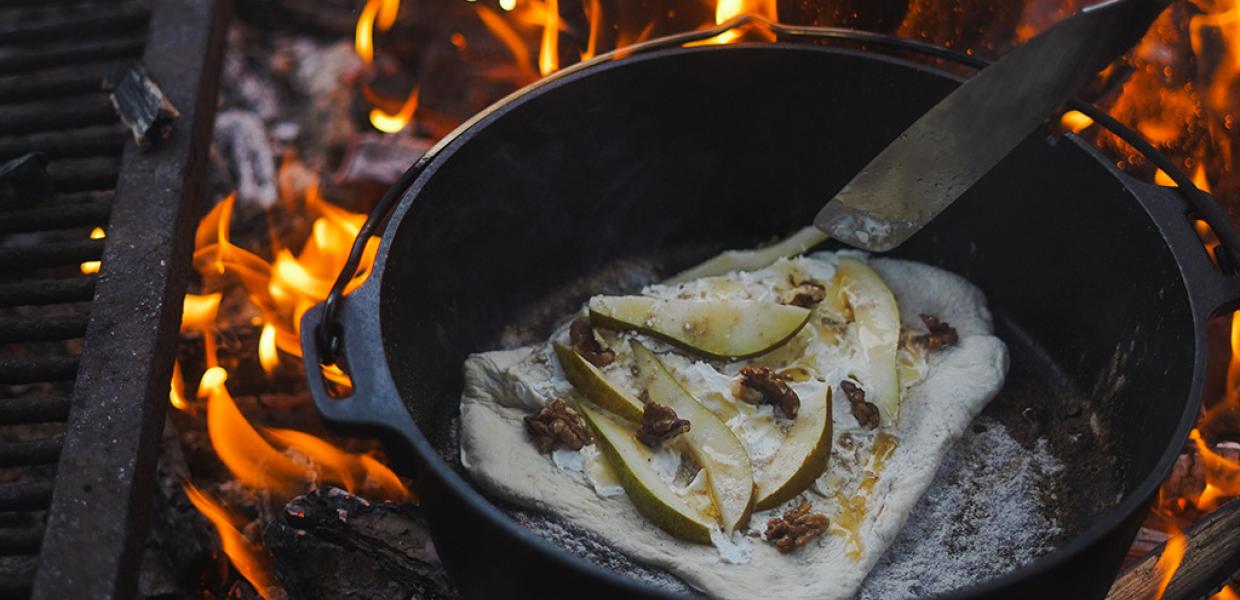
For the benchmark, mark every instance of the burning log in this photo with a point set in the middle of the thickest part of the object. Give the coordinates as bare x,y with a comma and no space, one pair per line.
1211,555
141,105
332,544
242,139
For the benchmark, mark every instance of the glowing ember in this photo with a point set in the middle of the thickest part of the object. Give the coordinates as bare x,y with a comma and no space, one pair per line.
92,266
1228,593
249,560
1076,121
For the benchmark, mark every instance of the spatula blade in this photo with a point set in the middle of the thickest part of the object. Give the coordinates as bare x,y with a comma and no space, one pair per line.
964,136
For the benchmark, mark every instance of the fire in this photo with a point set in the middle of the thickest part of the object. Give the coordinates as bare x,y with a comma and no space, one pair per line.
249,560
393,123
381,13
549,53
1169,562
726,10
594,13
92,266
1228,593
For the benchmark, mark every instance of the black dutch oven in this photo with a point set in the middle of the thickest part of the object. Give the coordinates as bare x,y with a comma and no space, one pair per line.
611,174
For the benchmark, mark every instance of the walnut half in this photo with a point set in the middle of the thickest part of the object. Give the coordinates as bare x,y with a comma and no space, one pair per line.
584,342
760,385
557,424
660,423
805,295
941,334
796,528
866,413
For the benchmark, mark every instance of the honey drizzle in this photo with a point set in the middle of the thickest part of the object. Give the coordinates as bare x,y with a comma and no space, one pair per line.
853,509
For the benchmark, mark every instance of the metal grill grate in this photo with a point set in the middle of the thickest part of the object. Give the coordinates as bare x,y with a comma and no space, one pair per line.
84,358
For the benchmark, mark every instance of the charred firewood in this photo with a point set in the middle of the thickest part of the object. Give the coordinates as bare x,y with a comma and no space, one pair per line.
141,105
332,544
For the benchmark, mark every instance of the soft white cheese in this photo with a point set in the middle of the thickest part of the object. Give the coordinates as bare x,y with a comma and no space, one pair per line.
873,478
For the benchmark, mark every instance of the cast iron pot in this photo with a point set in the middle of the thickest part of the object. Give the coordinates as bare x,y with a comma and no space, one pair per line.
610,176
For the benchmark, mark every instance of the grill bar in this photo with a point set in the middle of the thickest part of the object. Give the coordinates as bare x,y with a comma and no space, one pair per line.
40,292
15,542
33,410
94,109
45,369
42,329
79,174
99,20
89,141
55,217
73,52
35,452
60,254
120,395
27,495
82,79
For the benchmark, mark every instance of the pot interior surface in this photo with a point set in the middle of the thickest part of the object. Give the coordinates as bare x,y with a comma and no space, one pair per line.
605,182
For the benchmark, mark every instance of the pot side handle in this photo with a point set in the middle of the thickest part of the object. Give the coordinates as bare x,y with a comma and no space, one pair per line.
374,402
1212,289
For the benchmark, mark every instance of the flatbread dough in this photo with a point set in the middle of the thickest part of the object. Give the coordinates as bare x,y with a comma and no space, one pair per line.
867,492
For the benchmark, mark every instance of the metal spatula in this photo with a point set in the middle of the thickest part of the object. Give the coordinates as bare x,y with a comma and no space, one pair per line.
951,147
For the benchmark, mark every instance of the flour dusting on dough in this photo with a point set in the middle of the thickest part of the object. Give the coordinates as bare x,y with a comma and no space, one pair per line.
871,485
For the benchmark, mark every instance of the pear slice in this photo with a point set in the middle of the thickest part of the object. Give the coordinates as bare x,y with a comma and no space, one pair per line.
589,380
713,445
717,329
802,457
632,463
878,327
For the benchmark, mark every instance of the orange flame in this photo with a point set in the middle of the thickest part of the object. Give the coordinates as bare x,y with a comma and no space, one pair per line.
549,52
726,10
594,13
393,123
376,12
508,36
1227,593
1169,562
250,561
92,266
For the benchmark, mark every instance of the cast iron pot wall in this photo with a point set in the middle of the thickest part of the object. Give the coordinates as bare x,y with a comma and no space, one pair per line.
664,159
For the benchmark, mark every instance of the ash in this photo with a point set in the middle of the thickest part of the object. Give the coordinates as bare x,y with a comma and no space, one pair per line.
983,516
595,550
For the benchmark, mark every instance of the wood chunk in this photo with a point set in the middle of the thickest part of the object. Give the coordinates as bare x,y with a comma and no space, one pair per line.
1211,556
141,105
332,544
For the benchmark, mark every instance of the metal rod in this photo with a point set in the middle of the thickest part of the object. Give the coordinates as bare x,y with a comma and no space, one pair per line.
42,329
38,370
81,79
88,141
32,452
55,217
121,18
72,52
26,495
78,174
41,292
18,542
33,410
67,114
60,254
